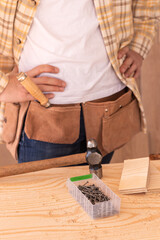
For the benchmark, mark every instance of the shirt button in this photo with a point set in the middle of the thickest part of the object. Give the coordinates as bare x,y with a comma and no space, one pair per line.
18,41
5,119
33,2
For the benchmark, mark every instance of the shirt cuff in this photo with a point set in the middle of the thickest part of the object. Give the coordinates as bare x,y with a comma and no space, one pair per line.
141,44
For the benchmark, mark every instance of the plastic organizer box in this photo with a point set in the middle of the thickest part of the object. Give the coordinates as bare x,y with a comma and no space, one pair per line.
100,209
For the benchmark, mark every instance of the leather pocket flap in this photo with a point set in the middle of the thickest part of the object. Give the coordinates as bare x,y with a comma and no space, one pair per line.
121,126
57,124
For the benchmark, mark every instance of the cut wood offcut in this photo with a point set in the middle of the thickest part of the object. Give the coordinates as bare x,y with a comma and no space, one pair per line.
139,176
154,179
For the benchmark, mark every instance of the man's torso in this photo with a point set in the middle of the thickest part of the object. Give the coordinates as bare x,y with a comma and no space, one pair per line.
67,35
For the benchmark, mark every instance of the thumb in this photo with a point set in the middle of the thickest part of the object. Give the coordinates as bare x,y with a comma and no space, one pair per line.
122,52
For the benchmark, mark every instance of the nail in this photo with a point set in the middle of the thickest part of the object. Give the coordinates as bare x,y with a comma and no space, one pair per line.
63,84
93,193
85,183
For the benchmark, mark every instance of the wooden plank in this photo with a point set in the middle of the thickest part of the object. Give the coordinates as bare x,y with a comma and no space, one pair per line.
134,176
154,179
38,206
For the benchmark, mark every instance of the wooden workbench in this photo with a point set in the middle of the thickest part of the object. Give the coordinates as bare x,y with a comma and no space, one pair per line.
38,206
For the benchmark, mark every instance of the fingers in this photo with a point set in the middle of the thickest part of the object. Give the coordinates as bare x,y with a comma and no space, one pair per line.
29,97
137,74
131,66
54,84
122,52
46,88
49,81
45,68
131,70
49,95
126,64
47,84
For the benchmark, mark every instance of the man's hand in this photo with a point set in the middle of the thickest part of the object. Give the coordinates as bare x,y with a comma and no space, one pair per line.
15,92
131,66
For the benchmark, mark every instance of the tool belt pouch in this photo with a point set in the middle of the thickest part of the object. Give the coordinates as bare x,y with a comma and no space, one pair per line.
10,122
56,124
112,123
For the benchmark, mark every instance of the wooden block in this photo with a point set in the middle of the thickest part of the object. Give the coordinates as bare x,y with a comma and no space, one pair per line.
134,176
154,179
154,156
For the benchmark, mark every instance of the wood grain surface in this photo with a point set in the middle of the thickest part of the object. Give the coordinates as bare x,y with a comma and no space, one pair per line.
134,176
154,179
37,206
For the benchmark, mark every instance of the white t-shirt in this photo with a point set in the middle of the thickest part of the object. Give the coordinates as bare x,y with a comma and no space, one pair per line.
66,34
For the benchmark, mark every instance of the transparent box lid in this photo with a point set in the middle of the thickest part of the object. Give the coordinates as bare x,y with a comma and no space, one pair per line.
99,209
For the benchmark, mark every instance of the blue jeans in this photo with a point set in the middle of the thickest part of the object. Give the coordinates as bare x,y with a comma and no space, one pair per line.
32,150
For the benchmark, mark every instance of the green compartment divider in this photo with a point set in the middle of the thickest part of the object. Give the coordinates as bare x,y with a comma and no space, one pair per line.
83,177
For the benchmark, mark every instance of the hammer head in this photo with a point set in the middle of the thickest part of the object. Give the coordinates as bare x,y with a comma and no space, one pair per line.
94,158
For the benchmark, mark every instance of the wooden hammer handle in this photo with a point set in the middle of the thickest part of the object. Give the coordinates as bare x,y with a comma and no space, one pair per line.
35,91
42,164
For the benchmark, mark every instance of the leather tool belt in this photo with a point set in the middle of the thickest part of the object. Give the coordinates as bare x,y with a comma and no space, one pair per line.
112,121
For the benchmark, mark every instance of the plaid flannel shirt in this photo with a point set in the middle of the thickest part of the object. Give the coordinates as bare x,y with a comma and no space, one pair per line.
122,23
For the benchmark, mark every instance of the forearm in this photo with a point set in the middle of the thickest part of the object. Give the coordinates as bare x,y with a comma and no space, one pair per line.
146,15
6,66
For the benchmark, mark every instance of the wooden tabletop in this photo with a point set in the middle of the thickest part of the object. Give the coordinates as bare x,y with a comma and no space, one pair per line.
38,206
